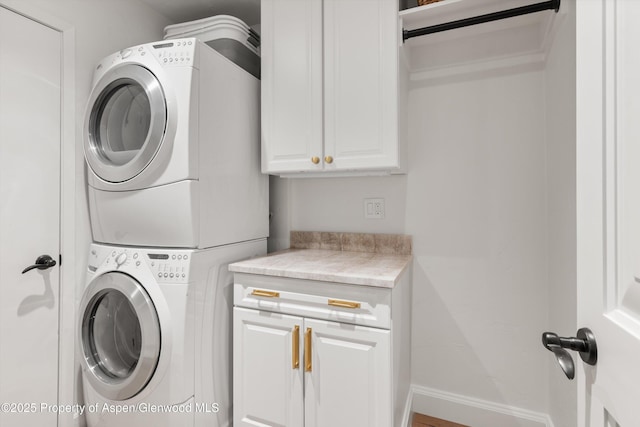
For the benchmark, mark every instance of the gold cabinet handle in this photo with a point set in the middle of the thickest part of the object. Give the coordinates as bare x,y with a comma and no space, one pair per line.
262,293
315,160
295,358
307,350
328,159
343,304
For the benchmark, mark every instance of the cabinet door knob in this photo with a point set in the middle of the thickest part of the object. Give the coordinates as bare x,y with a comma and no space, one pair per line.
315,160
328,159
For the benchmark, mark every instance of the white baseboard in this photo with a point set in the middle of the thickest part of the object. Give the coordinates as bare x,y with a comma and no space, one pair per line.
406,416
469,411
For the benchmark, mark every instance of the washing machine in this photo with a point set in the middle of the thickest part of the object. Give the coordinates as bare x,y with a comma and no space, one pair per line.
172,144
154,335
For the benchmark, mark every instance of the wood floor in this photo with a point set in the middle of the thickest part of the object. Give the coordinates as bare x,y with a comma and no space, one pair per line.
420,420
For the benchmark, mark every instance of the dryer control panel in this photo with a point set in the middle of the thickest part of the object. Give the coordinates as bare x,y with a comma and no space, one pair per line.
178,52
174,52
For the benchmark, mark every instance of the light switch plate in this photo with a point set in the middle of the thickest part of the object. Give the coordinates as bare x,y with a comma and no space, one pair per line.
374,208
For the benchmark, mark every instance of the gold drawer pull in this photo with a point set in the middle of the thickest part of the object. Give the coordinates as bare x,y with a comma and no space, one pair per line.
307,350
343,304
295,358
268,294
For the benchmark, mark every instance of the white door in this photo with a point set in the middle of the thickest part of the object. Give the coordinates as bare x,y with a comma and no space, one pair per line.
267,369
608,209
30,126
348,383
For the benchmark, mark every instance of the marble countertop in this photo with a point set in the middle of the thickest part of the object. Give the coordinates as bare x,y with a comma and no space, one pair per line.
356,268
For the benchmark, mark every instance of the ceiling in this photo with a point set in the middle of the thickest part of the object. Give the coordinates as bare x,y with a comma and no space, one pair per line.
189,10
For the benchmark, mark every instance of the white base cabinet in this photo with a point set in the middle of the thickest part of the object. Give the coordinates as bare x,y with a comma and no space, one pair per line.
318,354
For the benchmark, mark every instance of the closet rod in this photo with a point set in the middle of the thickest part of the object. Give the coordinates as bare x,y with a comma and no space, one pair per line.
509,13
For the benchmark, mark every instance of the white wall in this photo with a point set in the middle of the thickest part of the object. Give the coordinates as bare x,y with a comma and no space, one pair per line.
560,107
474,201
476,209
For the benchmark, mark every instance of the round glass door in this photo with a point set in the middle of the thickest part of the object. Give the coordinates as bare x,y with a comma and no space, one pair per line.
120,336
126,123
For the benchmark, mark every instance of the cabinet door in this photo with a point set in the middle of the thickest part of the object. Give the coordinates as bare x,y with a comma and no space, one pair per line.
349,381
361,83
291,51
267,387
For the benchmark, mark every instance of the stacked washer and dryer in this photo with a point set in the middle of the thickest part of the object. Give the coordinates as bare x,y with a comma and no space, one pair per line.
172,143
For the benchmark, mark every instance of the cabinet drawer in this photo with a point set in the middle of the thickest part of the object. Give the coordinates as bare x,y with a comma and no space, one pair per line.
358,305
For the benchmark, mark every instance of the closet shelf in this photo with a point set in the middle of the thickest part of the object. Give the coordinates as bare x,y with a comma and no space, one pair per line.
451,10
500,42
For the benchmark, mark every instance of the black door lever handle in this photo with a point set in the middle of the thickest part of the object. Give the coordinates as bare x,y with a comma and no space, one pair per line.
42,263
584,343
549,339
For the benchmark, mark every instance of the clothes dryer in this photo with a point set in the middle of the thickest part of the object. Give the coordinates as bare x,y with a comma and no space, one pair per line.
154,335
172,144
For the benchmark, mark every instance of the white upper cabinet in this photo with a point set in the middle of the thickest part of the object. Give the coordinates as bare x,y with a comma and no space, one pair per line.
331,87
291,50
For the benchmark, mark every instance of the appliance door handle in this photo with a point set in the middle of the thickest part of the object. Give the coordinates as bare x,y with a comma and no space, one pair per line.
42,263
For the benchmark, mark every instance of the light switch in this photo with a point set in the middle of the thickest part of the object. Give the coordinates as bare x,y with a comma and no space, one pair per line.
374,208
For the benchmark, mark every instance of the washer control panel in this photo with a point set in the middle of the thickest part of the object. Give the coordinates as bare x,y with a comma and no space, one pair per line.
167,266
